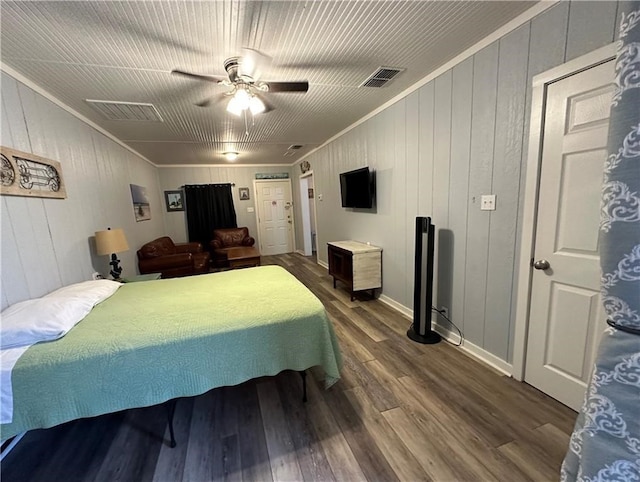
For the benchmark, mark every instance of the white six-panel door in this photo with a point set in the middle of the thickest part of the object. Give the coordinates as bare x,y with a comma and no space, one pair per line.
566,316
275,216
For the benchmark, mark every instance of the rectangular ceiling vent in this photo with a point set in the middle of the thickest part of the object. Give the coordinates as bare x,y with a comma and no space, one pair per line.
381,76
291,150
126,111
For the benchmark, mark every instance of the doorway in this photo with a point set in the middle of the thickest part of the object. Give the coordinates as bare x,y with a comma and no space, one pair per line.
275,216
308,213
560,317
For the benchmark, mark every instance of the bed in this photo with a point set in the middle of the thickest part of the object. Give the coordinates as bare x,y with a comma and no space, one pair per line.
154,341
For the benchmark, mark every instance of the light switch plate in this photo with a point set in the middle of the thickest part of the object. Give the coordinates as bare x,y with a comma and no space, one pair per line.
488,202
250,210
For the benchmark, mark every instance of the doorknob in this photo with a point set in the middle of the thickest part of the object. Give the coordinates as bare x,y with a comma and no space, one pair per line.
541,264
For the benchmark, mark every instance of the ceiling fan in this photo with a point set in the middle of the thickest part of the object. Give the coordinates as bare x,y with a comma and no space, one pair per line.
247,88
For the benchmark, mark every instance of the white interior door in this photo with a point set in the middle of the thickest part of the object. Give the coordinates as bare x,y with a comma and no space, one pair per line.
275,216
566,317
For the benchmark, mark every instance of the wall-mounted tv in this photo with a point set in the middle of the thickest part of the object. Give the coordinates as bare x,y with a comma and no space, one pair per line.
357,188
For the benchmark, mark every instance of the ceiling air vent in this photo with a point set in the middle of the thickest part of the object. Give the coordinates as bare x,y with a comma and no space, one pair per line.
291,149
126,111
381,76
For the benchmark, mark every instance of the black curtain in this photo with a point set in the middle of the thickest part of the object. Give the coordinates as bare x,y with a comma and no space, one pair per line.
209,207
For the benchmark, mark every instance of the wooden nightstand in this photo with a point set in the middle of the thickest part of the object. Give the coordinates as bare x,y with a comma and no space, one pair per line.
358,265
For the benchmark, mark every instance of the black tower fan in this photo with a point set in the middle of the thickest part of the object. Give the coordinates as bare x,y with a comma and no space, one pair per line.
420,329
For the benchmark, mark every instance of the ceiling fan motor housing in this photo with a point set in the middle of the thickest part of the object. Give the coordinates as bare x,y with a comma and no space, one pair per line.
231,66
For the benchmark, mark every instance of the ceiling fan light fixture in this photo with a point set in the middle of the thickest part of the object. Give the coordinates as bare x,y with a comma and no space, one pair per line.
234,107
256,105
230,155
243,98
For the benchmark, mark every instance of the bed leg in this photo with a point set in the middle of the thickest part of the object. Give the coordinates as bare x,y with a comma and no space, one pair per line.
303,374
171,408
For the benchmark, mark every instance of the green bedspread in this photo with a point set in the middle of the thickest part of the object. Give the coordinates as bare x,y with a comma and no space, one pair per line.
157,340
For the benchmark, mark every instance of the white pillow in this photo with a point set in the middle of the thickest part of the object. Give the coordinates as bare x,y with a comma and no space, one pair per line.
92,291
52,316
41,319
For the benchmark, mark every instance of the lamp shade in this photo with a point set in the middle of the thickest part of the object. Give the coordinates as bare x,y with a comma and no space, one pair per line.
111,241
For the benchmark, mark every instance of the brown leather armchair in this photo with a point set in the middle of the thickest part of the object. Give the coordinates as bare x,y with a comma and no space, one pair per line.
172,260
226,238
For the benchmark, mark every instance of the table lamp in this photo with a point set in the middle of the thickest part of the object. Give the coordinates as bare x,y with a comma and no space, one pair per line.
112,241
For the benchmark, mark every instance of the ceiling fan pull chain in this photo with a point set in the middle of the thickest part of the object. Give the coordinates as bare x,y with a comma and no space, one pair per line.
246,127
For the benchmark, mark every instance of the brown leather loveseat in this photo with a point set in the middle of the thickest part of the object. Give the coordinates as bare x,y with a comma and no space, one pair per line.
172,260
226,238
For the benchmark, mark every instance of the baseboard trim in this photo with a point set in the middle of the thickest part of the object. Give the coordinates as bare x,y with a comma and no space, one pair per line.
475,351
323,264
469,348
397,306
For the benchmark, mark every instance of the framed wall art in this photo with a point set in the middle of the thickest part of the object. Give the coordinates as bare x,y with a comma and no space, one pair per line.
244,193
24,174
174,200
141,205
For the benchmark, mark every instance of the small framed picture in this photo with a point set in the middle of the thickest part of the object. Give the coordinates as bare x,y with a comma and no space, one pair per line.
244,193
175,200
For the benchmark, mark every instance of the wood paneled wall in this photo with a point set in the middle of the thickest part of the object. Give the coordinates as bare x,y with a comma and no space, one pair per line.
436,151
176,177
48,243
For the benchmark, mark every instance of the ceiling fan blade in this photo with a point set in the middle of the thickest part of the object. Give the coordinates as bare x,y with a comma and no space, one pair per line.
253,63
211,100
208,78
205,102
301,86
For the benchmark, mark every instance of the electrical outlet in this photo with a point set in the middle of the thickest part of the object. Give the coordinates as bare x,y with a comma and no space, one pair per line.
444,311
488,202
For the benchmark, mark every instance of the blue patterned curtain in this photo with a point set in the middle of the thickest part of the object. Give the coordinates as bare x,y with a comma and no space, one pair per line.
605,444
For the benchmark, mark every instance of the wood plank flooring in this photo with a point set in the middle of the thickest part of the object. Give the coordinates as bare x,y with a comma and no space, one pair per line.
402,411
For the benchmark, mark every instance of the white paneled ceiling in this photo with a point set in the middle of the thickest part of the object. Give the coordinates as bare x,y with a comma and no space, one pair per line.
124,51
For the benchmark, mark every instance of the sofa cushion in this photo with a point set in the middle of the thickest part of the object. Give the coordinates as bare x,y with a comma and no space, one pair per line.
163,256
158,247
231,236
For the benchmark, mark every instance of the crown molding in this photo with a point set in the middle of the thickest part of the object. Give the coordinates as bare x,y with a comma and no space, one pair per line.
49,96
489,39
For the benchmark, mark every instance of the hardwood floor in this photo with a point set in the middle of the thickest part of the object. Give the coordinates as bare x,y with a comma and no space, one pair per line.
402,411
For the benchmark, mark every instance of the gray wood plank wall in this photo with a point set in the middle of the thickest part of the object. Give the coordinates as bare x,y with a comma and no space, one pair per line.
437,151
172,178
48,243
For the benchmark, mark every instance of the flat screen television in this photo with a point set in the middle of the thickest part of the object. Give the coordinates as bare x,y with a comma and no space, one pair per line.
357,188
